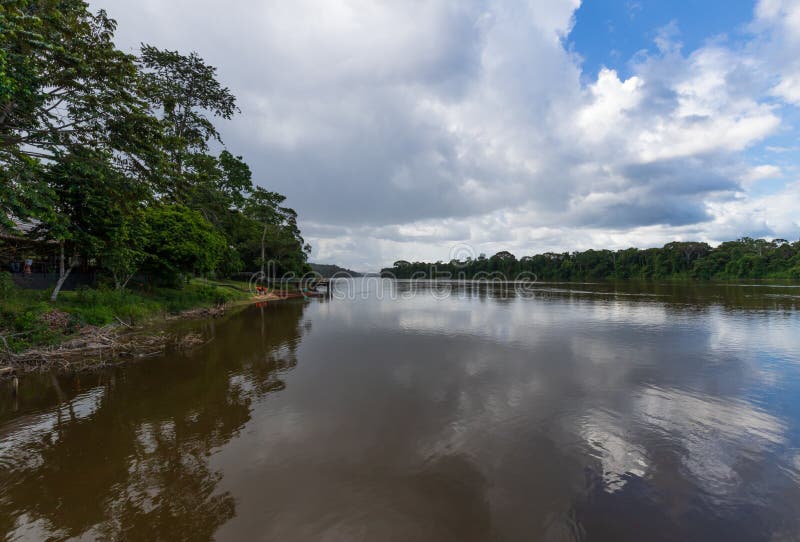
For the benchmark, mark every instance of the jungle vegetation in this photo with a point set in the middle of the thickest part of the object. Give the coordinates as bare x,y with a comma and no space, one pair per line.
118,157
745,258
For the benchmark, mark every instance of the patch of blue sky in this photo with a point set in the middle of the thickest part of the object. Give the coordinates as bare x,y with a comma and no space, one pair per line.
609,33
613,33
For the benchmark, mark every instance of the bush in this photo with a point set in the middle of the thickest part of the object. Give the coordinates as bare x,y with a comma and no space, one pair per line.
6,285
22,311
28,328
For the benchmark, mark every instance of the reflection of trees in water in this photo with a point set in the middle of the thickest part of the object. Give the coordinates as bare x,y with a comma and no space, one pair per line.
137,466
170,494
677,295
263,341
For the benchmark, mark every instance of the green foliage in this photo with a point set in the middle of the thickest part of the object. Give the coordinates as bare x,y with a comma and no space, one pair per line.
274,234
22,313
186,89
744,258
329,270
23,190
183,91
63,84
6,284
110,153
180,242
102,306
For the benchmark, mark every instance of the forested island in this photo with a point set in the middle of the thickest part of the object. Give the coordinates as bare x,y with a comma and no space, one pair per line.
744,258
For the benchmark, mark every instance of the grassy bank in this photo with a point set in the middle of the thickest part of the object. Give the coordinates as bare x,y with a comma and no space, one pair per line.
28,319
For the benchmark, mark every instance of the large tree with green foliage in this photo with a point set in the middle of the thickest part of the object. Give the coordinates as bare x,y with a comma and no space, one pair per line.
96,212
179,241
109,153
63,84
281,241
185,94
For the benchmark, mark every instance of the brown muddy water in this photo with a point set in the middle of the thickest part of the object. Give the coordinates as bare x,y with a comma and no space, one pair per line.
430,412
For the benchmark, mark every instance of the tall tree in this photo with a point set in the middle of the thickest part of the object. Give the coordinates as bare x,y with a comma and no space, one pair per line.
63,84
280,237
95,212
184,93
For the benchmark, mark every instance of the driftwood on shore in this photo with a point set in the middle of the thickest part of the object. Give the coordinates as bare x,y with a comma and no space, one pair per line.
209,312
100,347
94,347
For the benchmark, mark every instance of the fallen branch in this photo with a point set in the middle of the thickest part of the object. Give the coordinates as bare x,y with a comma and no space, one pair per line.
122,322
103,347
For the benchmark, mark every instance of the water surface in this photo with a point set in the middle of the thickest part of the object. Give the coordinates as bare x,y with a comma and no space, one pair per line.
430,412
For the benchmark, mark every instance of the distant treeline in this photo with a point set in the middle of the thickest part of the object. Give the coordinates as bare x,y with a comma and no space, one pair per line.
329,270
743,258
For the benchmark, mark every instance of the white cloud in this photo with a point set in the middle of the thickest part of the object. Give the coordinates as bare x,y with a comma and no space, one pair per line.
789,88
784,14
400,128
610,99
759,173
780,20
774,215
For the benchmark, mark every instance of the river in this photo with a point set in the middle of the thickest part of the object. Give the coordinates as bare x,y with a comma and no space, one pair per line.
430,411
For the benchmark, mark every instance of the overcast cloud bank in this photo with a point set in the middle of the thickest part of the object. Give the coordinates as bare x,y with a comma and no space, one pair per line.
399,129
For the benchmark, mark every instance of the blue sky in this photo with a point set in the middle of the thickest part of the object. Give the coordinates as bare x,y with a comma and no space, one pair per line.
610,33
410,130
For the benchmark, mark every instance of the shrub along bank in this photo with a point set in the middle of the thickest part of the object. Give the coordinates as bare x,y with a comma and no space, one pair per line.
28,319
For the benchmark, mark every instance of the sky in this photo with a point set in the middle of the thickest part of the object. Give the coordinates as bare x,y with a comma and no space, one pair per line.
433,129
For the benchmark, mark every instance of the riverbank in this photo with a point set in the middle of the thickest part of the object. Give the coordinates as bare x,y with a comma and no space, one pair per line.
96,327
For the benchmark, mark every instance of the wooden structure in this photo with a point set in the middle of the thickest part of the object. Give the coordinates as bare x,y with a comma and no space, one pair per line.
17,246
308,285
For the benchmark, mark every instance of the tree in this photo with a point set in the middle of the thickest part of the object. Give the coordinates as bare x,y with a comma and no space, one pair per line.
23,191
280,236
62,78
183,91
217,186
744,258
111,153
93,210
179,241
689,251
124,253
63,84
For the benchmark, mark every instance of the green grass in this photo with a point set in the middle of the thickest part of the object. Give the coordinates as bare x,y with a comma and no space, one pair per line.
22,312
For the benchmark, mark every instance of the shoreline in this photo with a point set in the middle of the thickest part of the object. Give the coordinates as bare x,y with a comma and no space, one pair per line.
98,347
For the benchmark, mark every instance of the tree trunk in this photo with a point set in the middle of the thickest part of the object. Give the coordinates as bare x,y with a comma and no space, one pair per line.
263,252
64,274
61,259
129,277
